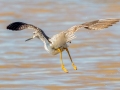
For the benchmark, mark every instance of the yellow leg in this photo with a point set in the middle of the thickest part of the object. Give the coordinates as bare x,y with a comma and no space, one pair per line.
75,68
62,65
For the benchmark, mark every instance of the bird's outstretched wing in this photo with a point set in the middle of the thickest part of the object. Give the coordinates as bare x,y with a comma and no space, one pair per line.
17,26
100,24
93,25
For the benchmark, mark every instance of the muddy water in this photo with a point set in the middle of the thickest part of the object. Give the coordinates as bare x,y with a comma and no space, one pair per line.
27,66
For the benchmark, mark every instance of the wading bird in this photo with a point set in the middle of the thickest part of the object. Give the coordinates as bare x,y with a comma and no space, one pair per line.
58,43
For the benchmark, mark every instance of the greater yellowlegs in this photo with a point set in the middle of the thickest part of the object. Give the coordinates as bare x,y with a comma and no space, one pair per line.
58,43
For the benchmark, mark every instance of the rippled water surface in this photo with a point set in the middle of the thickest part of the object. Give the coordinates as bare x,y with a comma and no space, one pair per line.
27,66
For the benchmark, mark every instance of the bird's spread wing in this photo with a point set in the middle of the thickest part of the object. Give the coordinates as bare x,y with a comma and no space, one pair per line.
100,24
93,25
16,26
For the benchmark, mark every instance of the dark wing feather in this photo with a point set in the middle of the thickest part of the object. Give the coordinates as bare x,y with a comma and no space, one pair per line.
17,26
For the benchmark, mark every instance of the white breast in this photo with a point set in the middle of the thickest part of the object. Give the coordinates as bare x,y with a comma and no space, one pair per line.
50,49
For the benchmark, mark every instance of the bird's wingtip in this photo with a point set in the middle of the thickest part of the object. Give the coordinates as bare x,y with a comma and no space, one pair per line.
16,26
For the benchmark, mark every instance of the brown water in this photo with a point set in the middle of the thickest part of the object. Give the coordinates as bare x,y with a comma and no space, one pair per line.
27,66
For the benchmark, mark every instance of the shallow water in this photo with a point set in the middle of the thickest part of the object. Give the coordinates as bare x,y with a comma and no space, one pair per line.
26,65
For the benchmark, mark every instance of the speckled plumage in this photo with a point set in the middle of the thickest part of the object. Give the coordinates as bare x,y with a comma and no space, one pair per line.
61,39
58,43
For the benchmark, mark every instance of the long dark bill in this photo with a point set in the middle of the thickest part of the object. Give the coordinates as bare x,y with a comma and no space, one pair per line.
28,39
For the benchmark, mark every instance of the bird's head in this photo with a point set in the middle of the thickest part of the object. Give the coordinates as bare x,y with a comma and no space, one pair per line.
34,35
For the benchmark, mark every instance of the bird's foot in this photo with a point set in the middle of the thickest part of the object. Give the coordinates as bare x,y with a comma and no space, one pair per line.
75,67
64,69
